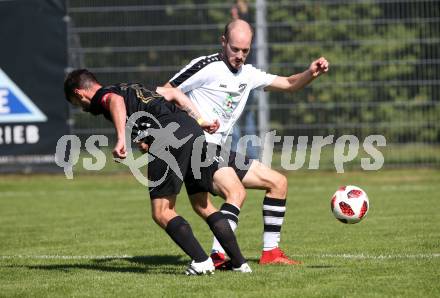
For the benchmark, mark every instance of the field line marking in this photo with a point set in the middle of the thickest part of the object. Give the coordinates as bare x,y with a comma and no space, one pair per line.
371,257
320,256
60,257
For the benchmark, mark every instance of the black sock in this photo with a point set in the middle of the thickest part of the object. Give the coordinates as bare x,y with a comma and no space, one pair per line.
231,213
180,231
222,231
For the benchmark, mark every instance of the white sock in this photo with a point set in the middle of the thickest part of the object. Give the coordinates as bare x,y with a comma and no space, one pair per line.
273,217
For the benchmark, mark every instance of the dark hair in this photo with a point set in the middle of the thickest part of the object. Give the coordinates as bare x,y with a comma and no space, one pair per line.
227,29
78,79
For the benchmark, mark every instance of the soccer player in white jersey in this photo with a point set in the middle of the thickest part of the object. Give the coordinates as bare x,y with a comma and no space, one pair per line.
219,85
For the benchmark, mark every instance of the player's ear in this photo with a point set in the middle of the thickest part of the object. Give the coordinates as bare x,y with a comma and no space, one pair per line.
223,40
77,92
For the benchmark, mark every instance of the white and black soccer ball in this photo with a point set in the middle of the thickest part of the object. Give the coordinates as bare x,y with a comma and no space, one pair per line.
350,204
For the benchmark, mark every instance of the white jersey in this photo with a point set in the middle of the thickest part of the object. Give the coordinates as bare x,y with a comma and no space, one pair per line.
219,92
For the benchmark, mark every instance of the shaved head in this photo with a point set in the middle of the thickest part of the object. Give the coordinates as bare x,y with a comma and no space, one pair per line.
237,26
236,43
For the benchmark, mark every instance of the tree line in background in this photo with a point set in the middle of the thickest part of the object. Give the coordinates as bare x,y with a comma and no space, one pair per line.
384,57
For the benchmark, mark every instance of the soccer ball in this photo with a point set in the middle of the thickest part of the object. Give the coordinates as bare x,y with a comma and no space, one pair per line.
350,204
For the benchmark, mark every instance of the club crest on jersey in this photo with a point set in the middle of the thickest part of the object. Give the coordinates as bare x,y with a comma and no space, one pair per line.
241,87
228,104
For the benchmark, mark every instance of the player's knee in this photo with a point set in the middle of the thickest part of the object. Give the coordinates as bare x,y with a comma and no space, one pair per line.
283,184
241,194
198,209
159,218
236,196
155,217
278,185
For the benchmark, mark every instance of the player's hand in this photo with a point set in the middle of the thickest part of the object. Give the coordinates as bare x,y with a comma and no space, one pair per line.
143,147
210,127
319,67
119,151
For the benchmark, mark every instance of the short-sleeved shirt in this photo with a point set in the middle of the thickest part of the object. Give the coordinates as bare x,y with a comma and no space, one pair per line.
136,98
219,91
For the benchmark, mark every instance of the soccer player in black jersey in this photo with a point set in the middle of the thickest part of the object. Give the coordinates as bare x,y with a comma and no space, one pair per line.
116,103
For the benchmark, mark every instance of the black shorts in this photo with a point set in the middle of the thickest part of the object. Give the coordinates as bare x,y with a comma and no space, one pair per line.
240,163
166,160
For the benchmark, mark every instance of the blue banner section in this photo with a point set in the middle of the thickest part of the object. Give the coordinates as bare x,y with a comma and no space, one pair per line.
15,105
11,105
33,112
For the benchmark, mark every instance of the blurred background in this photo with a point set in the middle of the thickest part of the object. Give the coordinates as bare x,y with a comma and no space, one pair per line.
93,236
384,54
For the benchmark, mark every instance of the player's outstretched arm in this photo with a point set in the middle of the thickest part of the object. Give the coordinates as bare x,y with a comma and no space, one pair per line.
119,116
298,81
184,103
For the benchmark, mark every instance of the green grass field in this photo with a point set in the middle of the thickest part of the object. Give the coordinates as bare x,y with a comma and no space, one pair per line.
93,236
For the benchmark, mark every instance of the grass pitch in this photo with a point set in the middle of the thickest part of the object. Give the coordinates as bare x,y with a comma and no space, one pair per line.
93,236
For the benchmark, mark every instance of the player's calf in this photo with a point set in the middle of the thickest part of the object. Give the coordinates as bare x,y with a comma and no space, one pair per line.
223,232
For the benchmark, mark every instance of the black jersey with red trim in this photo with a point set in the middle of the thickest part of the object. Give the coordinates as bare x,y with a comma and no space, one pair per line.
137,98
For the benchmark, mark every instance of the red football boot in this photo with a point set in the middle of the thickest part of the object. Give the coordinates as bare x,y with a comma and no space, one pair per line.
276,256
219,259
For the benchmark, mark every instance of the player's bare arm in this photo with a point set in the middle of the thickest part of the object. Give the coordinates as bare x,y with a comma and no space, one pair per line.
298,81
119,115
185,104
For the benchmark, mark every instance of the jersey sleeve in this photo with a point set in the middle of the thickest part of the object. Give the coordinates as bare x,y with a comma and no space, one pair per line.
260,79
105,101
100,103
191,76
